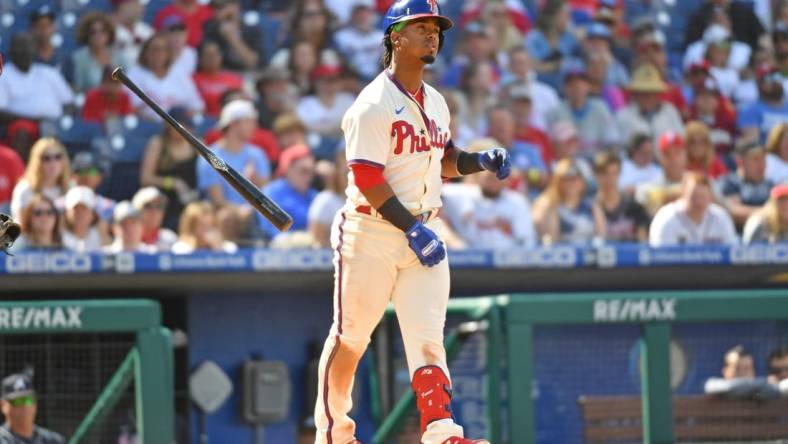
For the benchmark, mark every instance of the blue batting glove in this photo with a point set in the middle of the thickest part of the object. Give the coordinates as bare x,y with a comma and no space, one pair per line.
425,243
497,161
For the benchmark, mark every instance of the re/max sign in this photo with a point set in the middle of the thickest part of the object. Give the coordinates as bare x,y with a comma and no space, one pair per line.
624,310
20,318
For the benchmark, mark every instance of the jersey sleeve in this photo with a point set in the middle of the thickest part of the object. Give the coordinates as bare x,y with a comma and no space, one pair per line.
367,130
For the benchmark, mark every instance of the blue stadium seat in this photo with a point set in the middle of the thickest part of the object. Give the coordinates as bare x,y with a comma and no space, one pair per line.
130,138
271,28
123,180
152,8
76,134
203,124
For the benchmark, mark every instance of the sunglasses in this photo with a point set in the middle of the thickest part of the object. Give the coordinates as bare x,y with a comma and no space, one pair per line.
52,157
154,206
39,213
23,401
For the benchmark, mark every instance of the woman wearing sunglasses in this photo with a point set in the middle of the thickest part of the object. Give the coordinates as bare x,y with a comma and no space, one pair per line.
40,223
48,172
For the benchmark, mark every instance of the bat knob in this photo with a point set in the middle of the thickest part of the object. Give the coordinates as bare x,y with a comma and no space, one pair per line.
115,73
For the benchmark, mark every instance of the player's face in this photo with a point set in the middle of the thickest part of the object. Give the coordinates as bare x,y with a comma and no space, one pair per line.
419,39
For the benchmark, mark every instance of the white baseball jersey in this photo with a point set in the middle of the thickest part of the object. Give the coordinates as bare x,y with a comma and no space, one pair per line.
672,226
386,127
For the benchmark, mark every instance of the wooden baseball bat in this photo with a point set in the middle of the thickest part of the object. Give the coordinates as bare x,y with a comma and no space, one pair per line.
262,203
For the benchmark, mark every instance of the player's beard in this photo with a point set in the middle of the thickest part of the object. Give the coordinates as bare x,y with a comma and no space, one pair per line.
428,59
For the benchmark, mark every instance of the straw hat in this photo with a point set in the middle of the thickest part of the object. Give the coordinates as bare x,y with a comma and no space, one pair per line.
646,78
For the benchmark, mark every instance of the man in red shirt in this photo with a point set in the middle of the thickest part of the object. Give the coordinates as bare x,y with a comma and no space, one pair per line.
11,170
106,100
194,15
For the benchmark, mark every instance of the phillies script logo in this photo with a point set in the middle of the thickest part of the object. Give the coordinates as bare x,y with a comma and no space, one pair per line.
404,131
433,6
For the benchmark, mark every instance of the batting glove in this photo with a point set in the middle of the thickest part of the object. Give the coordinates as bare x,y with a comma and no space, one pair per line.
497,161
425,243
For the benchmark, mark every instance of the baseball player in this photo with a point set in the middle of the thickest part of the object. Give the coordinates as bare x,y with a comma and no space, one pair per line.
398,147
19,407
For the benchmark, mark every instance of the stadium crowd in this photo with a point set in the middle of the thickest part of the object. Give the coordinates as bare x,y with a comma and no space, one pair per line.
622,126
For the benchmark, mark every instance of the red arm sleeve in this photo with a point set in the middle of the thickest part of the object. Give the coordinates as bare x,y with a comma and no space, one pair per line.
367,176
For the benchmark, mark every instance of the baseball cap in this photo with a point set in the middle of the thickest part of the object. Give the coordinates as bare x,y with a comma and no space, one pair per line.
779,191
575,70
124,210
291,155
84,161
80,195
172,21
325,71
564,131
236,110
145,196
597,30
670,140
43,11
17,385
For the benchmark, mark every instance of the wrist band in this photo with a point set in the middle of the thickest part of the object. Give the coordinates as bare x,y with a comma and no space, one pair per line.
393,211
468,163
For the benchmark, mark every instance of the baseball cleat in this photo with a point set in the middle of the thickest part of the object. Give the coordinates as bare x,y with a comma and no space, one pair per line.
458,440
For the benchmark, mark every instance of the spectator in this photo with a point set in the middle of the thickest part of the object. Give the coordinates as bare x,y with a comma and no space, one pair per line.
311,23
292,190
567,146
106,102
650,50
778,365
42,28
19,407
261,138
29,91
625,219
184,57
96,35
478,89
169,163
701,156
87,173
521,75
83,230
494,216
127,230
130,30
770,109
242,45
322,112
290,130
300,60
11,171
508,22
716,40
276,96
716,112
237,123
777,159
151,203
521,104
693,219
152,76
551,41
526,157
744,23
194,15
639,167
198,231
598,42
738,378
477,47
328,202
723,67
359,42
595,125
647,113
673,160
563,214
40,223
48,173
597,67
770,223
211,79
747,189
